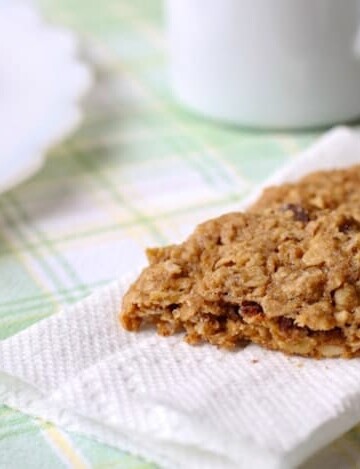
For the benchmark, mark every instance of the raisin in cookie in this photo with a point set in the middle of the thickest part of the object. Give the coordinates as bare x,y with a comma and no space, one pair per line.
279,279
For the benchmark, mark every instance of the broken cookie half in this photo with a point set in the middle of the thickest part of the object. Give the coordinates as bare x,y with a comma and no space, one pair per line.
278,279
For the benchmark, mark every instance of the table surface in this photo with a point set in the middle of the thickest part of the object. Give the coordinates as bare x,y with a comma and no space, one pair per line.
107,191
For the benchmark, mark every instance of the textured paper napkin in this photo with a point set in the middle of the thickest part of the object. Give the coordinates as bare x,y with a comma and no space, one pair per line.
182,406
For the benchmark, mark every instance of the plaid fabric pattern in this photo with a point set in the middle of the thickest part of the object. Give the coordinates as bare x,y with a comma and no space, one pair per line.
139,172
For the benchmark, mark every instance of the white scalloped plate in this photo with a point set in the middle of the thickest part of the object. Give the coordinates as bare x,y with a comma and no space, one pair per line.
41,82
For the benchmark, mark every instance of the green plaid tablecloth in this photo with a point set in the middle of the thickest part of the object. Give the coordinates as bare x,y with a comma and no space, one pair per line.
139,172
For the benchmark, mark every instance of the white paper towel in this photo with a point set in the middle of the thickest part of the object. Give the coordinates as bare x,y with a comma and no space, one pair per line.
183,407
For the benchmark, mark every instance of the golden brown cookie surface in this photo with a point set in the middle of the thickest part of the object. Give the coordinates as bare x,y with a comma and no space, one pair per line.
283,278
315,192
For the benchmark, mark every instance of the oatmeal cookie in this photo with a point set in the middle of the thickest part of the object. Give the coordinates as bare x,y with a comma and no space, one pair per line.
281,278
321,190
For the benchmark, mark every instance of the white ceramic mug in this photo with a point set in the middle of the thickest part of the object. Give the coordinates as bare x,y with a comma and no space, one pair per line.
267,63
